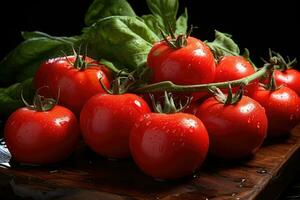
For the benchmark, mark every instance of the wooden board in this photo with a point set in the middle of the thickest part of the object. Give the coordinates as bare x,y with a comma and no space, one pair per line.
88,176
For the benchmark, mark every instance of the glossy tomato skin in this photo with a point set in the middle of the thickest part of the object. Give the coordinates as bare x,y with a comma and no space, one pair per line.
282,108
235,67
192,108
41,137
106,121
289,78
169,146
193,64
75,86
235,131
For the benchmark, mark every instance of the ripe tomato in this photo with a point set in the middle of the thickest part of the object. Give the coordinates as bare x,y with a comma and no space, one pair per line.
192,108
41,137
289,78
75,86
235,131
192,64
169,146
235,67
106,121
282,107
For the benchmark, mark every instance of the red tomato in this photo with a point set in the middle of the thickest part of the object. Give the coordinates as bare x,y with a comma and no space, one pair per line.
169,146
235,131
76,86
289,78
193,64
106,121
282,107
192,108
41,137
235,67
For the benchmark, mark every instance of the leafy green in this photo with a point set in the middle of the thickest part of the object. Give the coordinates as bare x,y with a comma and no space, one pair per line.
36,34
104,8
123,39
181,23
166,9
163,17
223,45
10,97
113,66
22,62
155,23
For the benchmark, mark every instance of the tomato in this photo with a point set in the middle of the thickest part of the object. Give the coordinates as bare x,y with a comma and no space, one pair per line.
235,131
106,121
289,78
38,137
192,108
235,67
192,64
282,107
169,146
75,86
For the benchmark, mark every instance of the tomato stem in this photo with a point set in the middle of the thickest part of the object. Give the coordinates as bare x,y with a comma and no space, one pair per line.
168,105
230,98
118,85
41,103
171,87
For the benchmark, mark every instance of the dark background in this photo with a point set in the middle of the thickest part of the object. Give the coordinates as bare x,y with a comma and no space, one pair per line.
253,25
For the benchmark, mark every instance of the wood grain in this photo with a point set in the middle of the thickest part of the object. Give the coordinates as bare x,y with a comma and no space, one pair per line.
88,176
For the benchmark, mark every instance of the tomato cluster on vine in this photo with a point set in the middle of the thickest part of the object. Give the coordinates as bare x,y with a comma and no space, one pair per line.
229,117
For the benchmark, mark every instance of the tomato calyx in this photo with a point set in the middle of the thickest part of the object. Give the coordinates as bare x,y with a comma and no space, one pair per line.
40,103
80,62
169,105
120,85
271,85
176,42
230,98
278,62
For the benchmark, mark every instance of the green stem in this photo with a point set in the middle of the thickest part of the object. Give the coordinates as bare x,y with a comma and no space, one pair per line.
171,87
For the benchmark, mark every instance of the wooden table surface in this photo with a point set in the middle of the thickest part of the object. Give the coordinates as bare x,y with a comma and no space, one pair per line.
88,176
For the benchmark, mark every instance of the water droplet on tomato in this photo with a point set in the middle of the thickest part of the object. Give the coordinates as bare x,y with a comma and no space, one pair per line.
249,120
258,125
242,182
262,171
291,117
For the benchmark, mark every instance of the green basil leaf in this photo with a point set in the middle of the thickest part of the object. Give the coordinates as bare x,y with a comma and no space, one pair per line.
112,66
104,8
123,39
182,23
223,45
155,23
36,34
22,62
166,9
10,97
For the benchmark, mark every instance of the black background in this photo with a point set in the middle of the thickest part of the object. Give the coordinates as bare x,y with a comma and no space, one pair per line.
255,25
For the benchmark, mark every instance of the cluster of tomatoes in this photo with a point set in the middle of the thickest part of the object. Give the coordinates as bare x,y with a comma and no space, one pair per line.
164,145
